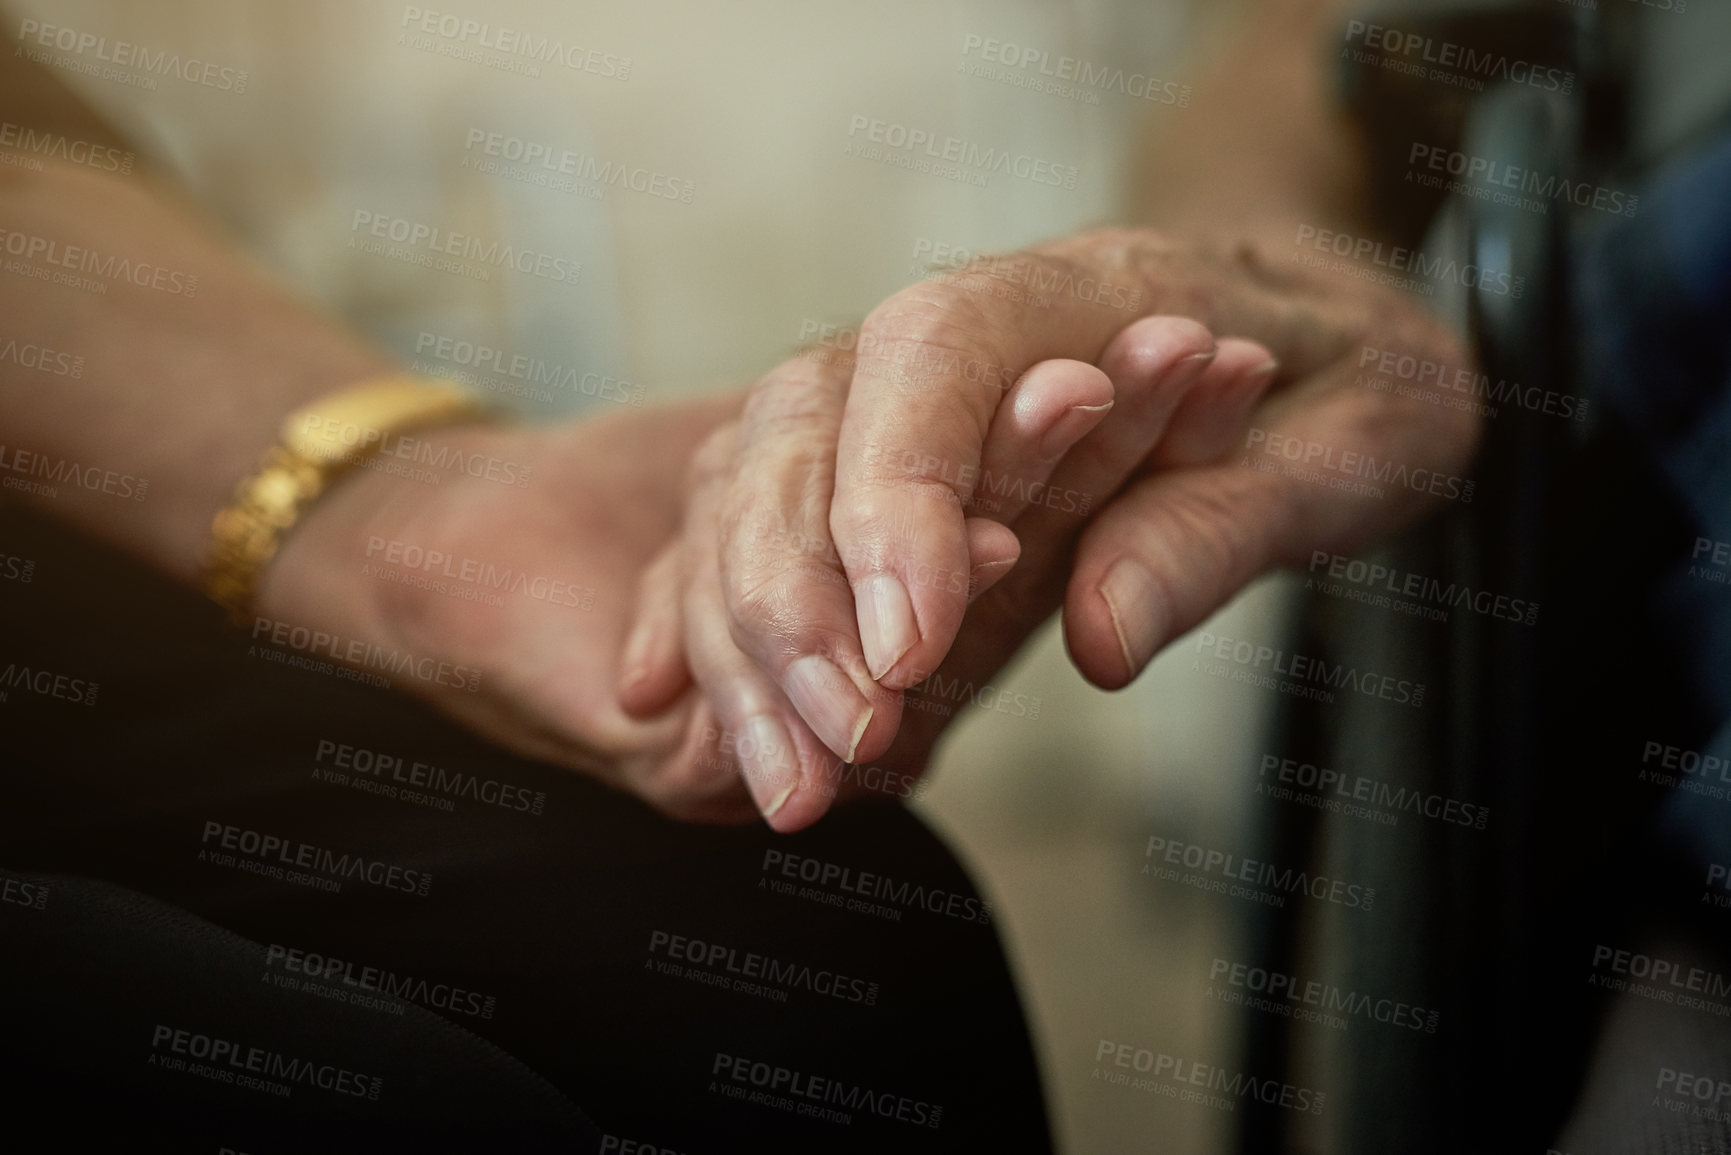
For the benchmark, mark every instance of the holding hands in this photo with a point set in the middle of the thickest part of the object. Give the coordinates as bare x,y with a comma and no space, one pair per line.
866,522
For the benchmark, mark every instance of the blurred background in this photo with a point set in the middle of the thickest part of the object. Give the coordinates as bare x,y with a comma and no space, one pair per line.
349,107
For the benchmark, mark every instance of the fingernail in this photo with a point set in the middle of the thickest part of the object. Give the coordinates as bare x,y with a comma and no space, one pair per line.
634,664
767,760
1192,366
887,628
985,576
830,704
1071,428
1133,602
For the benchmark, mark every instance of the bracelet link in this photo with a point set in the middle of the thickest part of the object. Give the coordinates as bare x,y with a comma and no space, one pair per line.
320,442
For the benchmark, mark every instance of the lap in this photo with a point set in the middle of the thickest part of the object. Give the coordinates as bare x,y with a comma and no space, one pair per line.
269,856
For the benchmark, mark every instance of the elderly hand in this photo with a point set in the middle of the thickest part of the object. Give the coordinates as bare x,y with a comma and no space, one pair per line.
832,544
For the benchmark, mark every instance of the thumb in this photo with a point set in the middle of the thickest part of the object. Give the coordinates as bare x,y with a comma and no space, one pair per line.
1166,554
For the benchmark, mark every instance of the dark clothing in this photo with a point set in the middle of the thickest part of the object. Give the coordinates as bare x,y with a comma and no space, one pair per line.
526,960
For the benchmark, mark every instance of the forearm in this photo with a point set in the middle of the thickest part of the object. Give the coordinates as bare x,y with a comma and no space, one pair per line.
1265,145
184,379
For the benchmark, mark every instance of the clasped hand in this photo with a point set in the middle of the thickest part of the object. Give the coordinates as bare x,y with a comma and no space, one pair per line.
1001,442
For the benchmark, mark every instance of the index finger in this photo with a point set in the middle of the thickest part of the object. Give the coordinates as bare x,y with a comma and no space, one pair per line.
933,364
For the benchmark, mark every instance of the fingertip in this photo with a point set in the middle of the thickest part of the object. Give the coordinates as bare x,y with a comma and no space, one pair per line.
810,796
993,550
1115,621
990,542
1245,368
1053,406
830,702
768,762
1211,417
1155,346
653,673
888,627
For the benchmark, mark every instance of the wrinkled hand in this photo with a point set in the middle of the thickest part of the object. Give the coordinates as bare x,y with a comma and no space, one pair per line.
832,540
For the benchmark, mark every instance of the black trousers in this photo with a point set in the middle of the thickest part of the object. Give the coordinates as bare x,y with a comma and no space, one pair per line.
250,904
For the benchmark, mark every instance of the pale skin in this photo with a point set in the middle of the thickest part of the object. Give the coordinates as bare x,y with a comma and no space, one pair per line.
690,681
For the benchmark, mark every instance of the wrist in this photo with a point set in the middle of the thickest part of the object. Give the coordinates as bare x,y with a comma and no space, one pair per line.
340,568
316,579
318,444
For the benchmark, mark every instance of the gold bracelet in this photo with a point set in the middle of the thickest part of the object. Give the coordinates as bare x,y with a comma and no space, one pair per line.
320,442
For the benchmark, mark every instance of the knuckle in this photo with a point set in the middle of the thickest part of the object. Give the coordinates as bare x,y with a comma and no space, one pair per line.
893,511
714,458
778,608
927,321
795,396
758,535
